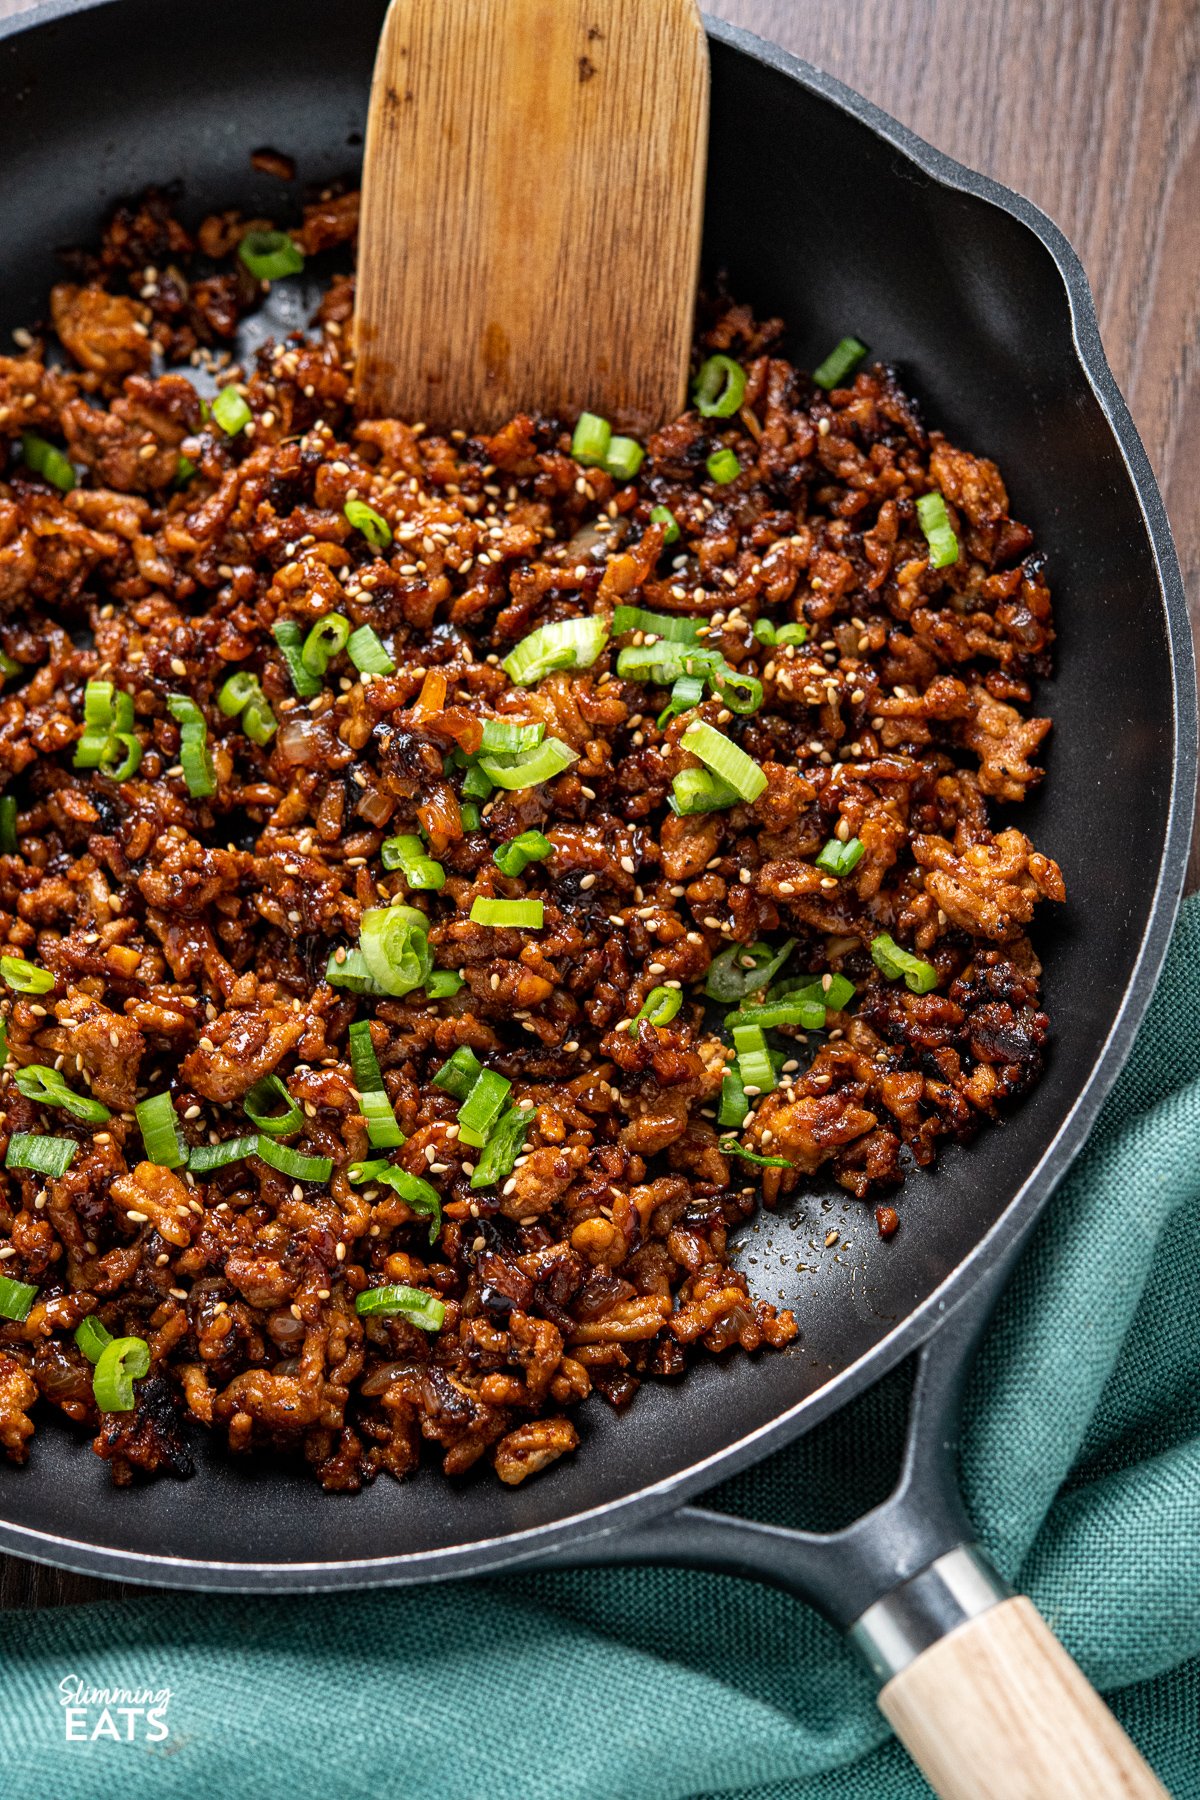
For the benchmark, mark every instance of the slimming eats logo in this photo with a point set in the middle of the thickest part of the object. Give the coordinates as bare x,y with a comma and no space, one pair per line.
126,1715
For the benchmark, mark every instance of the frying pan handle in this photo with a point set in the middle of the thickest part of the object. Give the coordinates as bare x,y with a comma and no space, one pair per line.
996,1709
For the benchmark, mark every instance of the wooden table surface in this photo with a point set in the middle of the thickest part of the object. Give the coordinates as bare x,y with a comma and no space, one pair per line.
1092,108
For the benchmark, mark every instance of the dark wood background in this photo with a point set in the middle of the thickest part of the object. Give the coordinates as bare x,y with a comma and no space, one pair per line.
1092,108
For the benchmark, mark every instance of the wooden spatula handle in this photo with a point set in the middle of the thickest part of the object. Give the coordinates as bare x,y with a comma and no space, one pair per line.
532,195
998,1711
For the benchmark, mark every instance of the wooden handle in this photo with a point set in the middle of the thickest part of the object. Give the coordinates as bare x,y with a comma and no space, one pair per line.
998,1711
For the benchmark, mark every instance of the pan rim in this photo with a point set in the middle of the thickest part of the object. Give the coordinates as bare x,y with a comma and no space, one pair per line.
1026,1205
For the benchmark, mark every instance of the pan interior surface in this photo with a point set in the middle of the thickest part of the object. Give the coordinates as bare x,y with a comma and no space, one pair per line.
814,216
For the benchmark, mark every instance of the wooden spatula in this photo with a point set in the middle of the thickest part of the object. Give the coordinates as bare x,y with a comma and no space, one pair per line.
532,197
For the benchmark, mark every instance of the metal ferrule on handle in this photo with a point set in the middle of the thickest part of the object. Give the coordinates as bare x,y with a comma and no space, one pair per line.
928,1606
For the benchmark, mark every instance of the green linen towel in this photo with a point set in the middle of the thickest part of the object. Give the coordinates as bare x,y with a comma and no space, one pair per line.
1082,1468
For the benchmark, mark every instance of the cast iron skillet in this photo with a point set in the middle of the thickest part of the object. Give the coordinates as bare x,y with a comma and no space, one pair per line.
826,211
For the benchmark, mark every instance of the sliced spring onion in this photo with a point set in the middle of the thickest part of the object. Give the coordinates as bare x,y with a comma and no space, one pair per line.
526,915
185,468
698,791
687,692
91,1337
46,1087
442,983
499,1155
292,1162
383,1133
660,1006
424,1310
719,388
672,628
230,411
727,760
471,816
729,978
529,768
624,458
459,1073
3,1043
266,1094
789,1009
564,644
754,1064
44,1155
203,1158
838,858
394,941
407,853
846,354
122,1361
194,754
934,521
513,858
8,824
16,1298
665,662
729,1146
832,991
740,692
723,467
236,692
160,1133
367,653
8,666
47,461
123,756
477,784
373,525
25,977
327,639
919,976
508,736
270,255
733,1105
351,972
416,1194
592,436
767,632
290,638
662,515
108,742
482,1107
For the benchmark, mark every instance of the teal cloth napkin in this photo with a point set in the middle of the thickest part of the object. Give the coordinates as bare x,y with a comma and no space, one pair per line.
1082,1468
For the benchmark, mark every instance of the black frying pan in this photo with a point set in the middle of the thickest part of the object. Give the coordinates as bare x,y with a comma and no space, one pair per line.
824,210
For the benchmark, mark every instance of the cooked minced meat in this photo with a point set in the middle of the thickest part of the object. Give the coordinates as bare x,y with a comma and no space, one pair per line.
231,832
